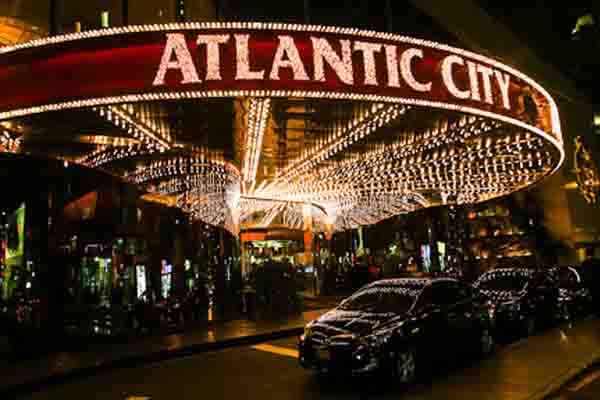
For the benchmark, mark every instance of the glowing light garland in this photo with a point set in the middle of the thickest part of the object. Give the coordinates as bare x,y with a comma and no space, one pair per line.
258,114
10,145
123,117
379,115
184,166
388,179
464,160
105,154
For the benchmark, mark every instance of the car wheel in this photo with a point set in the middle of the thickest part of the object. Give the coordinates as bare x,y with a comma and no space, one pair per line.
530,326
486,342
406,366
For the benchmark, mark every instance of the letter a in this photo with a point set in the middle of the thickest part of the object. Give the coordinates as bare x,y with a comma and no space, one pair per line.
183,60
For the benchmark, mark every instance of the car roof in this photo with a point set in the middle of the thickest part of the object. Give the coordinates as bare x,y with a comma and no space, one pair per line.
508,272
412,282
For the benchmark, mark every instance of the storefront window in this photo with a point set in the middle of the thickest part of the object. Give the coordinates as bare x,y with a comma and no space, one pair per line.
140,278
96,278
166,278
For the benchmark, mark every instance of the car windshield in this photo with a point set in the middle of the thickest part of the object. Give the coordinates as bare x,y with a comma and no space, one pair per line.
503,283
381,299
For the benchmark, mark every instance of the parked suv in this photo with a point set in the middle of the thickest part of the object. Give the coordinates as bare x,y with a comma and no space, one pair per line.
522,300
574,298
400,326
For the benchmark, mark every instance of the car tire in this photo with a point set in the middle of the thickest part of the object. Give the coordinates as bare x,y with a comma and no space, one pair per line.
486,342
406,366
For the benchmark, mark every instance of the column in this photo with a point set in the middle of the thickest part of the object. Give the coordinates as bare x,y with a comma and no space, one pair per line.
56,17
125,12
307,11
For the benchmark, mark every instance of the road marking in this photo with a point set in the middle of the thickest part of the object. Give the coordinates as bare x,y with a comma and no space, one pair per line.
138,398
584,382
282,351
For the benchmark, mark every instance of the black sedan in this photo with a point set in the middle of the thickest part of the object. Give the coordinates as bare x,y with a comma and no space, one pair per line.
522,300
399,325
574,298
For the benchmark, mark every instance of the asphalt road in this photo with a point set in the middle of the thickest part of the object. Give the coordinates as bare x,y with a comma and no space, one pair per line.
267,371
586,387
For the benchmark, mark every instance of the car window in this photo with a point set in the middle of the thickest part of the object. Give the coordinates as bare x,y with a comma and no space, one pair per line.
502,282
381,299
454,292
462,292
436,295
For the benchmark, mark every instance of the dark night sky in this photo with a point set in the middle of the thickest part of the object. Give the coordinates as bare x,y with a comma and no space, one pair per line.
546,27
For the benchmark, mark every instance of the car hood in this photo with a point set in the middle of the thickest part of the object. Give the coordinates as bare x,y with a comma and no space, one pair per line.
341,322
501,296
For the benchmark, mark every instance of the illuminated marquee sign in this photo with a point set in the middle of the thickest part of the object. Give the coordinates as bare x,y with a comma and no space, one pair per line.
485,84
197,60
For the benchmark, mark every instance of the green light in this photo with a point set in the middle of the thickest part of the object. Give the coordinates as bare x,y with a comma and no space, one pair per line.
104,19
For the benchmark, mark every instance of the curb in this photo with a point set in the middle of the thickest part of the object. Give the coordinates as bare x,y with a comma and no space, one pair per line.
561,381
128,362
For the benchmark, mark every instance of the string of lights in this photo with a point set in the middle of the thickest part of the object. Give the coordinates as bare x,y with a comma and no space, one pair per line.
258,115
142,129
357,129
9,144
107,154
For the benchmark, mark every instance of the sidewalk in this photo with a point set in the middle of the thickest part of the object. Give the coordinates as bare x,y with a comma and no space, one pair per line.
530,369
59,366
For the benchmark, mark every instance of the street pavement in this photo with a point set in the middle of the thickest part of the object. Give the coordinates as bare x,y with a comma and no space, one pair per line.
269,370
519,370
160,347
586,387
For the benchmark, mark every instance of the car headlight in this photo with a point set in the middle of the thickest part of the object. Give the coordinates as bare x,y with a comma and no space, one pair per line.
380,338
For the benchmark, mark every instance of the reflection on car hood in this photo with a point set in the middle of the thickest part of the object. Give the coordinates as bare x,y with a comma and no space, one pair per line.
500,296
338,322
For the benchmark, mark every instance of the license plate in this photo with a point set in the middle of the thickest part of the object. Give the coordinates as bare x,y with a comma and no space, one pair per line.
323,355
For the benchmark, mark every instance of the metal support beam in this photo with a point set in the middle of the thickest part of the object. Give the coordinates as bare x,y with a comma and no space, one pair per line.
56,17
180,10
307,11
389,15
125,11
